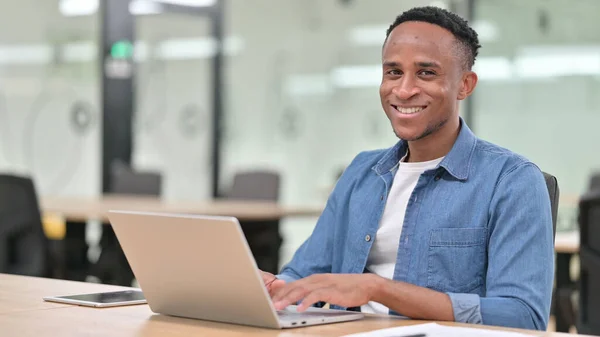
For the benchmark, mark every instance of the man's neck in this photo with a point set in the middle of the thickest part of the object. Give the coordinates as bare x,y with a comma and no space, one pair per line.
436,145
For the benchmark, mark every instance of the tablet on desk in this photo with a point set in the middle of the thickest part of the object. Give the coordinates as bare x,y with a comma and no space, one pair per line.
102,300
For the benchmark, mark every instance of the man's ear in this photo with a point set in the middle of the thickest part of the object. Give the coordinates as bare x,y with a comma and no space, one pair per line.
467,85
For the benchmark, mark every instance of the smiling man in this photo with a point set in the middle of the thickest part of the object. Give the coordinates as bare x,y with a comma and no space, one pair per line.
443,225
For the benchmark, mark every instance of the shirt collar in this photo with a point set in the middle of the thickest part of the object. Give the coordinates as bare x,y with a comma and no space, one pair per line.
457,162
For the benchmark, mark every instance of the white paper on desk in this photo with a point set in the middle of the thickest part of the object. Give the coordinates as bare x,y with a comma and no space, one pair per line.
436,330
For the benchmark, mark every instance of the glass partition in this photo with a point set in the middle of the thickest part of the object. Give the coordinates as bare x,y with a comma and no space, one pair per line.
49,97
173,115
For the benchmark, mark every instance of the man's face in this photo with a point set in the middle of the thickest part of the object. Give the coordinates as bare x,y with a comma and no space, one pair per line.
423,79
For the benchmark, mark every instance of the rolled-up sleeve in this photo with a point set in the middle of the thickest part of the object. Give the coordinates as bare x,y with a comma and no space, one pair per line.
466,308
520,256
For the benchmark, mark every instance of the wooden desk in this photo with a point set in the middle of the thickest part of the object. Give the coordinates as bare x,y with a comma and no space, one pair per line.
36,318
18,293
83,209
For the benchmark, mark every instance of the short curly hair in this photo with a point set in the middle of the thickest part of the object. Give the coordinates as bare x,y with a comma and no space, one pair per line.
464,34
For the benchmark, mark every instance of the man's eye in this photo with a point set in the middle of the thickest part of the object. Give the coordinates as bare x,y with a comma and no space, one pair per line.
394,72
426,72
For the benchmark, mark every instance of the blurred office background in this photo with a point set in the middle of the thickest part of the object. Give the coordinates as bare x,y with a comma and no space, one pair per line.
299,93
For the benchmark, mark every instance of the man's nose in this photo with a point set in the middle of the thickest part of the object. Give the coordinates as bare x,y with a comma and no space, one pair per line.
406,88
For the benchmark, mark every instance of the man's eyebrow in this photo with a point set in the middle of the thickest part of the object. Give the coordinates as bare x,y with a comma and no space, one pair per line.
424,64
429,64
391,64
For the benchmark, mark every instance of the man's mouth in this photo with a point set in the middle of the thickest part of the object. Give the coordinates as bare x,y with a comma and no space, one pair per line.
408,110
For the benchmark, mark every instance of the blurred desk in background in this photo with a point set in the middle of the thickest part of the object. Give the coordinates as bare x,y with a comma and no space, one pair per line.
259,221
567,242
81,209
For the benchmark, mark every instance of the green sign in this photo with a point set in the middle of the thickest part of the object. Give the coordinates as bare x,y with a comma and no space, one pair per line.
122,50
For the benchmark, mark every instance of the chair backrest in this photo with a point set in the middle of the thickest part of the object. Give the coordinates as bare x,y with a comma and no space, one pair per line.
124,180
23,245
255,185
554,192
589,297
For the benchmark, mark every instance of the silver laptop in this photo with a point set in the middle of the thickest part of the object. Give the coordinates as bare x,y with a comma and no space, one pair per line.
201,267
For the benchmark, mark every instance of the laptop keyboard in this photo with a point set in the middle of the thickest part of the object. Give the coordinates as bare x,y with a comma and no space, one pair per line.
292,315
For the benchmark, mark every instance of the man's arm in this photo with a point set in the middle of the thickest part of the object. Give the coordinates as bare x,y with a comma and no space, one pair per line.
350,290
413,301
520,252
520,264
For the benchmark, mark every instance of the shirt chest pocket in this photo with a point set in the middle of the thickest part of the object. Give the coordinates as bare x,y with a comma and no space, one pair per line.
456,260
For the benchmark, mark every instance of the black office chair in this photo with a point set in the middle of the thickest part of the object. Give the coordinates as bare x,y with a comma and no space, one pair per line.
588,321
562,296
594,182
23,245
554,193
112,266
263,237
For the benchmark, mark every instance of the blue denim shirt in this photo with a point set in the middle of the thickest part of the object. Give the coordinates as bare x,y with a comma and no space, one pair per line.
478,227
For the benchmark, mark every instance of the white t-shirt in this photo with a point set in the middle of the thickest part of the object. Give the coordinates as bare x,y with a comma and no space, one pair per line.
382,257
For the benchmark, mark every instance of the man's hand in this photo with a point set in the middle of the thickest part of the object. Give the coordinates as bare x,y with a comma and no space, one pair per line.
347,290
272,283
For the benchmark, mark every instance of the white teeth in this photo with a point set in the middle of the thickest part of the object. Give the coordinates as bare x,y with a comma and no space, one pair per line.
409,111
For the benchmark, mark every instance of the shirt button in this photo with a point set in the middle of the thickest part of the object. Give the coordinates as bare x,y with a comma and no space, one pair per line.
438,177
382,197
368,238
